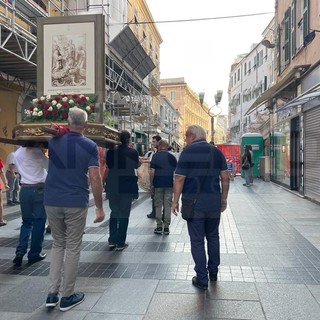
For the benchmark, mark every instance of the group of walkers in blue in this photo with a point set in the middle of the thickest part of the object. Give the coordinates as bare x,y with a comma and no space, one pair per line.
57,188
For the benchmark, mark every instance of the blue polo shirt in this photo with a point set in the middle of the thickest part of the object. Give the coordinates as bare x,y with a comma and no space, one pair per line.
164,163
67,183
193,163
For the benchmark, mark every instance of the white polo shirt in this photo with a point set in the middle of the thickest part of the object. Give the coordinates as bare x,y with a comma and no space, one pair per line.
32,165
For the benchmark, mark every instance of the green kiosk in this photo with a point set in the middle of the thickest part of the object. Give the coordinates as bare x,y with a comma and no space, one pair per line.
256,141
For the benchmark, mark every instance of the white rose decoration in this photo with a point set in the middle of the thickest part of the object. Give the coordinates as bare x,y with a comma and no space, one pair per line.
42,98
40,113
50,109
71,101
88,108
65,99
34,113
59,105
54,102
34,100
35,109
48,97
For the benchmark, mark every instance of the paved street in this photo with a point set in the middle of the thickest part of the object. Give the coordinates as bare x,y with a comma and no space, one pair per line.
270,265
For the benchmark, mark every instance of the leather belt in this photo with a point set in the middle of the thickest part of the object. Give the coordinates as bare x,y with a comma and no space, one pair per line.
25,185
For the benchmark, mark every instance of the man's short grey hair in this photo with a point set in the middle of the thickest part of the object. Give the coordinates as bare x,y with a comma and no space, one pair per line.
163,144
77,117
197,131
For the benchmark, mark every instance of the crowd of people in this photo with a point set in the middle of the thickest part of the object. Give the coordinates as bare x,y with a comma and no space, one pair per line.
55,184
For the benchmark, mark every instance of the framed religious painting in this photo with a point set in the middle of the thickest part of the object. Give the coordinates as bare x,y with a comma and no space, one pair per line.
71,56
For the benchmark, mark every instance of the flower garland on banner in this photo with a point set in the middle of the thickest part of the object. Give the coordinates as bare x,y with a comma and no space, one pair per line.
56,108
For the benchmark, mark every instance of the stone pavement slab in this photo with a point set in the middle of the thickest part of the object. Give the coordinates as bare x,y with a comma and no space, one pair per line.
288,301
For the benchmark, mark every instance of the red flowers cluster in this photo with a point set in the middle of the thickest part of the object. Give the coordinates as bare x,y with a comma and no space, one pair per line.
53,109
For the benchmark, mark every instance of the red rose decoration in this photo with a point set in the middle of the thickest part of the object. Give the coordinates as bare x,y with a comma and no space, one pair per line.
54,108
64,115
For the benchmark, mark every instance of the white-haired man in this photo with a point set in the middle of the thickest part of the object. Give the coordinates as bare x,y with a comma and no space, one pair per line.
202,177
73,161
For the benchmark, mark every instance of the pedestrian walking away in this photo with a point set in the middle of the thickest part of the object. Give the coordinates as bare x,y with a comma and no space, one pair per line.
251,165
73,161
121,185
155,142
203,180
162,167
4,187
32,165
246,164
13,181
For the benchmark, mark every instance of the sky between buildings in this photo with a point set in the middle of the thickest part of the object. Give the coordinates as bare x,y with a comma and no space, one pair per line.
202,51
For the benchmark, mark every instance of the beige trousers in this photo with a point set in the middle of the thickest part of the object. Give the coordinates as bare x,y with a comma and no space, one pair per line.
67,226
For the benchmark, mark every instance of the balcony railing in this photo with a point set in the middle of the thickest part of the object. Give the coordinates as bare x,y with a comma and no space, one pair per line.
154,85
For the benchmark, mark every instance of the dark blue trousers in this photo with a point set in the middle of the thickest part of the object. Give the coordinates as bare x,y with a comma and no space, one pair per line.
120,205
202,227
33,221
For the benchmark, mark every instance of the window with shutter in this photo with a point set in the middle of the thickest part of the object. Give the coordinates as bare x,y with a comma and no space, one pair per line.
287,36
279,50
305,18
293,28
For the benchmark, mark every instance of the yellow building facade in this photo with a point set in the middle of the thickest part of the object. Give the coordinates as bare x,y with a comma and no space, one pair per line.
188,104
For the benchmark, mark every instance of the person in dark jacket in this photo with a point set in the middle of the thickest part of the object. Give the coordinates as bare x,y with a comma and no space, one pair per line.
121,185
246,164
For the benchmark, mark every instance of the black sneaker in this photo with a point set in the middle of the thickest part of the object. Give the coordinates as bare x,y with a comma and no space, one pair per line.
37,258
52,300
158,230
151,215
18,259
112,246
198,285
166,231
16,202
213,276
48,229
10,203
66,303
122,247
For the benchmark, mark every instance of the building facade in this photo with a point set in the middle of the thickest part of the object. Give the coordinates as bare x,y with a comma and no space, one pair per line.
177,91
293,100
132,55
169,116
251,75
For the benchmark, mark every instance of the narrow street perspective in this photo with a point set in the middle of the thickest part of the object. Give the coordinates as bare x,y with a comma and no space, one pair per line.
270,265
159,160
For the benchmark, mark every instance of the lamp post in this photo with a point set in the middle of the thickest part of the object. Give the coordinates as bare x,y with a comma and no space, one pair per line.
217,98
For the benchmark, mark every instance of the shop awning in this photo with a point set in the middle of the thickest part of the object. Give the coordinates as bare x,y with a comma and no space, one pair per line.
139,132
130,50
276,88
308,96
